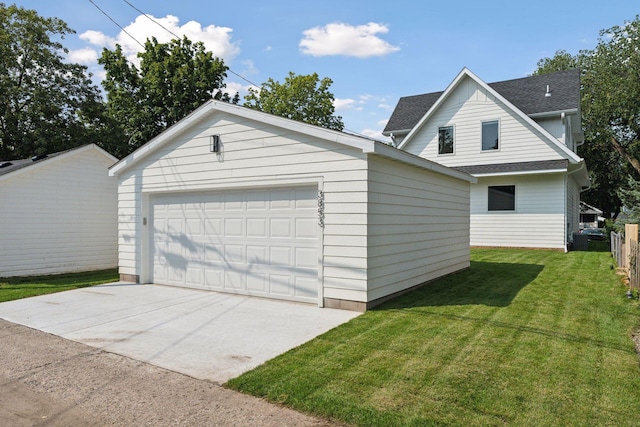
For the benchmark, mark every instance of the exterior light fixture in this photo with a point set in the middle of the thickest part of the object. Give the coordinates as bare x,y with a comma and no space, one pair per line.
214,145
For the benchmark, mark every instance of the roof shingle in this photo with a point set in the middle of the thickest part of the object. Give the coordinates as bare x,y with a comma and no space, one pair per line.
526,94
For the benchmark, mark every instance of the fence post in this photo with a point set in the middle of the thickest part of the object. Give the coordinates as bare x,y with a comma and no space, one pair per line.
630,233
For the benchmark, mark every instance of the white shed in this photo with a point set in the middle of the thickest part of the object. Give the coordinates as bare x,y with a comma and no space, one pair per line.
58,213
235,200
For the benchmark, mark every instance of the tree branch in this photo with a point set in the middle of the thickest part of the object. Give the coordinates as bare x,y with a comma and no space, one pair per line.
620,149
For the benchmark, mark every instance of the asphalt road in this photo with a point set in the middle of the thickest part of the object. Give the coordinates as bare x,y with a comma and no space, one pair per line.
46,380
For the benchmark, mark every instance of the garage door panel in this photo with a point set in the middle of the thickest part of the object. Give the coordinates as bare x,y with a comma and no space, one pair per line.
256,242
233,227
306,287
257,227
280,227
280,284
306,228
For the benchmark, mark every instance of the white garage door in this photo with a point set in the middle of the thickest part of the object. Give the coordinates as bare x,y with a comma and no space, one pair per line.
262,243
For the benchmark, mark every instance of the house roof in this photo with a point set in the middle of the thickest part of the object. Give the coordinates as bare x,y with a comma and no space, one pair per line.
519,167
367,145
527,94
22,164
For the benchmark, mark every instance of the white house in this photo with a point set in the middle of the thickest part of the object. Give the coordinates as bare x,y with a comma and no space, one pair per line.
235,200
518,138
58,213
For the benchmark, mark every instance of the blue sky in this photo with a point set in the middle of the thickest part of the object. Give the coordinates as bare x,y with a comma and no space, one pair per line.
374,51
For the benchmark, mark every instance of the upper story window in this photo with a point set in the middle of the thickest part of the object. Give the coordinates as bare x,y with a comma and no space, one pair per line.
502,198
445,140
490,135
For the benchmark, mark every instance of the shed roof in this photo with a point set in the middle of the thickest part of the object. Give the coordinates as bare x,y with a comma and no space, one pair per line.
527,94
22,164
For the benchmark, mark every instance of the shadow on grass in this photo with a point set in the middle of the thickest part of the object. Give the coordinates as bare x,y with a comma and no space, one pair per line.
486,283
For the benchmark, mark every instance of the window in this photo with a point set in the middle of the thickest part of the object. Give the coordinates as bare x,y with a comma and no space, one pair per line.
490,138
502,198
445,140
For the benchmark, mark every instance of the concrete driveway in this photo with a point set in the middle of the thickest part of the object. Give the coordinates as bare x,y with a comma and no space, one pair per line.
206,335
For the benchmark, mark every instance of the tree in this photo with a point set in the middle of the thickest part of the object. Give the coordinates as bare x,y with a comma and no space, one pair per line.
305,98
47,104
611,111
174,79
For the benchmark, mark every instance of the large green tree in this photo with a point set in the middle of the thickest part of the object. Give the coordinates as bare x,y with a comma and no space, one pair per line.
46,104
173,79
611,110
305,98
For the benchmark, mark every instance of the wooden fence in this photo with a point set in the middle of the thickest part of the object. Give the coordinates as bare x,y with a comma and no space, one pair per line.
626,251
634,265
617,248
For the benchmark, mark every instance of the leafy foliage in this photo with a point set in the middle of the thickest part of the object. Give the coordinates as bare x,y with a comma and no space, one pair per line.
611,111
305,98
173,79
47,104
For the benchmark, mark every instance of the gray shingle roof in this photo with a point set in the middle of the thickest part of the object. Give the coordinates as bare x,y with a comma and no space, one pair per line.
527,94
23,163
515,167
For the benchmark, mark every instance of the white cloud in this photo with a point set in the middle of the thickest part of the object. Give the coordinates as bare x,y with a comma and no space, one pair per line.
216,39
86,56
250,68
343,103
343,39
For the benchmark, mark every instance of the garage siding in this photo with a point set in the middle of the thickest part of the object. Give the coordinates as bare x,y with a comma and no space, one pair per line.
255,155
418,226
59,216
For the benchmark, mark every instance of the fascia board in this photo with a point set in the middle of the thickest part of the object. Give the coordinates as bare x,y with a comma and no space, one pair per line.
384,150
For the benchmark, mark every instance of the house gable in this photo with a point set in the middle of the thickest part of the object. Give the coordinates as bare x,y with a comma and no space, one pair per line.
467,103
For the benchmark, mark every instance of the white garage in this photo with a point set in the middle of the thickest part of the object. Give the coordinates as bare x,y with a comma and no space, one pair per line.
235,200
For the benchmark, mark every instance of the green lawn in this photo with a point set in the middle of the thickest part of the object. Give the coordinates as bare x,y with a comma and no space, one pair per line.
22,287
523,338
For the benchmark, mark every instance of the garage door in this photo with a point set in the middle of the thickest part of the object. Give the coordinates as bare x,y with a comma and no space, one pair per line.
262,243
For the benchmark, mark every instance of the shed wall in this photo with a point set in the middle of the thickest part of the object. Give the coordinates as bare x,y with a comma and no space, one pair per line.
59,217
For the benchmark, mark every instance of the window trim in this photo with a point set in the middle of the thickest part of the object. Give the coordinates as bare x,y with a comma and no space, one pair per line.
453,145
502,210
490,150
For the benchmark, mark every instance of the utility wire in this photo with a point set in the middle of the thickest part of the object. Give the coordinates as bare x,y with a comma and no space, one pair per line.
178,37
118,25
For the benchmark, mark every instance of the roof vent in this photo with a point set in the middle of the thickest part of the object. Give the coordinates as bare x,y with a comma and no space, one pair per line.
5,164
548,93
39,157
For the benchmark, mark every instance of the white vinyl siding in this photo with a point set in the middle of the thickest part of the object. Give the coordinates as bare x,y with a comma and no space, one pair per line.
59,216
255,155
466,108
539,219
418,226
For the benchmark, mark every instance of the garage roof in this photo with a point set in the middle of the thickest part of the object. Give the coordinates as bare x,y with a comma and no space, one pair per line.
368,146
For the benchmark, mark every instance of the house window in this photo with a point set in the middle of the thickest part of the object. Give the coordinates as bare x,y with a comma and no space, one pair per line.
490,135
502,198
445,140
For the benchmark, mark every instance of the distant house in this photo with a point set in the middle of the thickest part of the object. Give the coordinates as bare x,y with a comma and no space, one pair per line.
590,217
235,200
59,213
518,138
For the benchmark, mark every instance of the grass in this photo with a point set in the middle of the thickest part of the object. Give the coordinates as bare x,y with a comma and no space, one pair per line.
12,288
523,338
